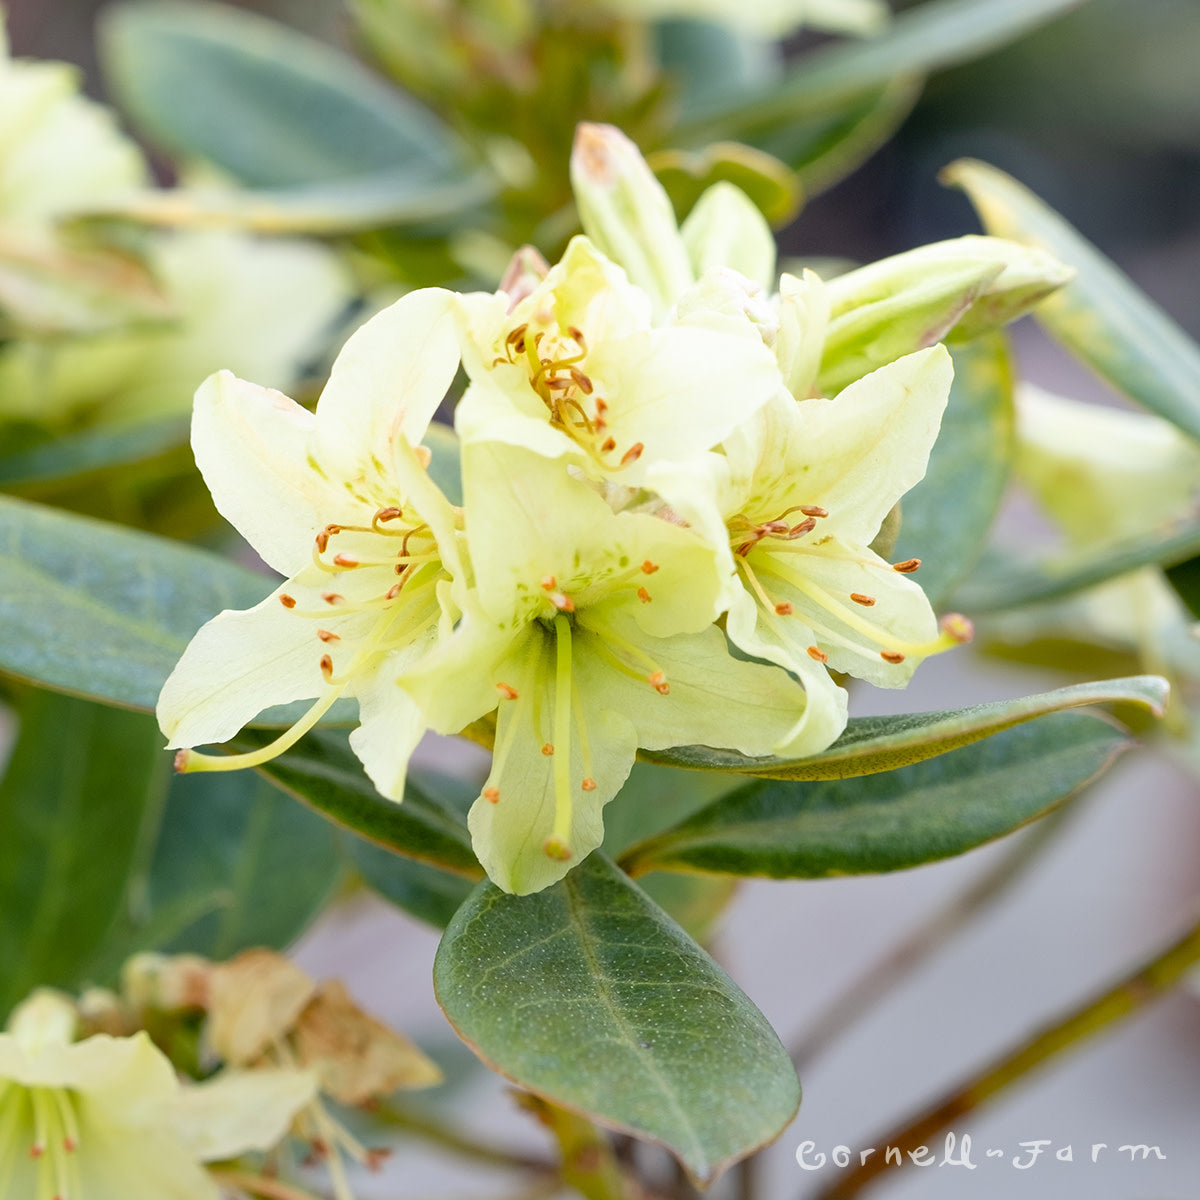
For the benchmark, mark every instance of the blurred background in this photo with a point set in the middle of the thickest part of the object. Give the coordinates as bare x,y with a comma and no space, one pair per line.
1099,114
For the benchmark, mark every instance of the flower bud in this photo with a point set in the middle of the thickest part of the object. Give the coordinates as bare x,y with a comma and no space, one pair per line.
726,229
627,214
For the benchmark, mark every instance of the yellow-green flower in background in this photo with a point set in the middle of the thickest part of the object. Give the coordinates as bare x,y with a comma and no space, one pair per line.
1106,476
107,1119
339,502
263,308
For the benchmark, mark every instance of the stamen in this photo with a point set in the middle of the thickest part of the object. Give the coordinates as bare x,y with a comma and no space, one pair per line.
784,608
649,568
555,848
958,627
491,795
507,691
345,560
658,681
324,536
609,445
817,654
327,635
864,600
644,596
562,602
327,667
907,567
891,656
287,601
387,514
814,510
548,749
562,734
549,583
632,454
585,747
333,598
588,784
805,526
581,381
189,760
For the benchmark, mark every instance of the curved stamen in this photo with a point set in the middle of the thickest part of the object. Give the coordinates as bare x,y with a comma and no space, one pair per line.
558,844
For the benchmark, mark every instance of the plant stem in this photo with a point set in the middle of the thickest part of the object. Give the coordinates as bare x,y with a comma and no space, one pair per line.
902,960
1149,981
427,1127
260,1185
588,1162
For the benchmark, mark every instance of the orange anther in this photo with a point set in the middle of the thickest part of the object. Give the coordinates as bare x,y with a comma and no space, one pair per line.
548,750
907,567
333,598
492,795
327,666
327,635
507,691
891,656
287,601
648,568
589,784
784,609
643,595
817,654
632,454
864,600
814,510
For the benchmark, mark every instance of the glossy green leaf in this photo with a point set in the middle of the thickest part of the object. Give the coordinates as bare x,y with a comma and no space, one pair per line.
1002,581
322,772
590,995
917,814
652,799
945,519
104,612
874,744
928,37
269,105
1101,317
235,863
83,785
384,199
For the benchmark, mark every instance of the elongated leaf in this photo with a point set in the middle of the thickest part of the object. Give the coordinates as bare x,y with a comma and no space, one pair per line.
83,784
1185,579
589,994
323,773
944,520
1001,582
824,149
104,612
427,893
235,864
1101,317
710,63
874,744
929,37
384,199
271,106
917,814
90,452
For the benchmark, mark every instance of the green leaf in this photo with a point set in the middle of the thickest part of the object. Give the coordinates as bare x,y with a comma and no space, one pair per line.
101,611
929,37
89,453
236,864
825,149
899,819
874,744
945,519
384,199
1002,581
590,995
322,772
427,893
711,63
1100,316
83,784
1185,579
269,105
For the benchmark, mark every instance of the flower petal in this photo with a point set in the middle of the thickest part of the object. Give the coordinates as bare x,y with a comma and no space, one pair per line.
519,806
243,662
252,446
387,382
239,1111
